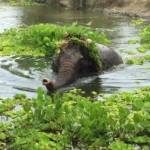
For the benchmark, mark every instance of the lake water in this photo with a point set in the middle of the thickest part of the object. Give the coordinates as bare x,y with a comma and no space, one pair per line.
25,74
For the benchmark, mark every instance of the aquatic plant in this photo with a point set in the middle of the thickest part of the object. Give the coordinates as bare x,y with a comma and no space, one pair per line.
147,57
119,121
137,22
137,61
145,41
130,52
132,41
143,48
46,39
22,3
145,35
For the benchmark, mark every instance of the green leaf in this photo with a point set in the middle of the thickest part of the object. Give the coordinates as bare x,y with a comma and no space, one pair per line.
123,112
2,136
48,99
137,118
137,105
120,146
142,139
130,127
147,97
27,108
2,108
40,93
86,122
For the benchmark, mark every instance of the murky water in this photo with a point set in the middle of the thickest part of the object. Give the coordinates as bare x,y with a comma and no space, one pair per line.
24,74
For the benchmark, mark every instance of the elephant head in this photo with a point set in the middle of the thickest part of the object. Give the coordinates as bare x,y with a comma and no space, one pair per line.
68,64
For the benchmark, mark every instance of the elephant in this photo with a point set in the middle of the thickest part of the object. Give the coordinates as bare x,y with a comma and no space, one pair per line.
74,60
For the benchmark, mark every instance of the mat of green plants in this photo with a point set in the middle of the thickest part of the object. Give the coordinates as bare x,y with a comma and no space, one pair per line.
118,122
46,39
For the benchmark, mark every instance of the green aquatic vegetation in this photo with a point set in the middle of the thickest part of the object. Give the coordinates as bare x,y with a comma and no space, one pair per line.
147,57
46,39
60,121
130,52
147,68
132,41
22,3
137,82
137,61
120,146
143,48
121,50
137,22
145,39
145,35
25,4
92,48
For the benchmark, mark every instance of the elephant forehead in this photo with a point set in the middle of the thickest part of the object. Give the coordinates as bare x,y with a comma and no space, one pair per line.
70,53
73,57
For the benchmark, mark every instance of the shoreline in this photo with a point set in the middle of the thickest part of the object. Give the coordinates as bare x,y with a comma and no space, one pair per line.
122,12
141,10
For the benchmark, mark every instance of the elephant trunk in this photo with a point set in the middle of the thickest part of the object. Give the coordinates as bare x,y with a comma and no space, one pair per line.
66,75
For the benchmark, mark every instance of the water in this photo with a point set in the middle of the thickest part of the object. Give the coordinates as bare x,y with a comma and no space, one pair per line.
24,74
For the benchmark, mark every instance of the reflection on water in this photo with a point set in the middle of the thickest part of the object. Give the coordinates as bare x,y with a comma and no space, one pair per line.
24,74
15,16
10,17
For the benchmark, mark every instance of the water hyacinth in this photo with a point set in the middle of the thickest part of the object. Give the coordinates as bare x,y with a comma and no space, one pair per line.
119,121
45,39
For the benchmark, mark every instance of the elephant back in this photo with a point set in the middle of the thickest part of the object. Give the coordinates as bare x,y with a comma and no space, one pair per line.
109,57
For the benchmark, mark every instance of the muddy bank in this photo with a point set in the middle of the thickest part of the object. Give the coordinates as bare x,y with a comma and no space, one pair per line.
130,8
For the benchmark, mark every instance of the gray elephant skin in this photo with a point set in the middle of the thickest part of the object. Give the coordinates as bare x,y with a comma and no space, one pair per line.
72,62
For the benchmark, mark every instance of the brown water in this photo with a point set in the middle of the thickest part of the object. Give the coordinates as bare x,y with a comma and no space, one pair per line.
24,74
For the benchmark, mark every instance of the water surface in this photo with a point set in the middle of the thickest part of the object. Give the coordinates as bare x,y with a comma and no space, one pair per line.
24,74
